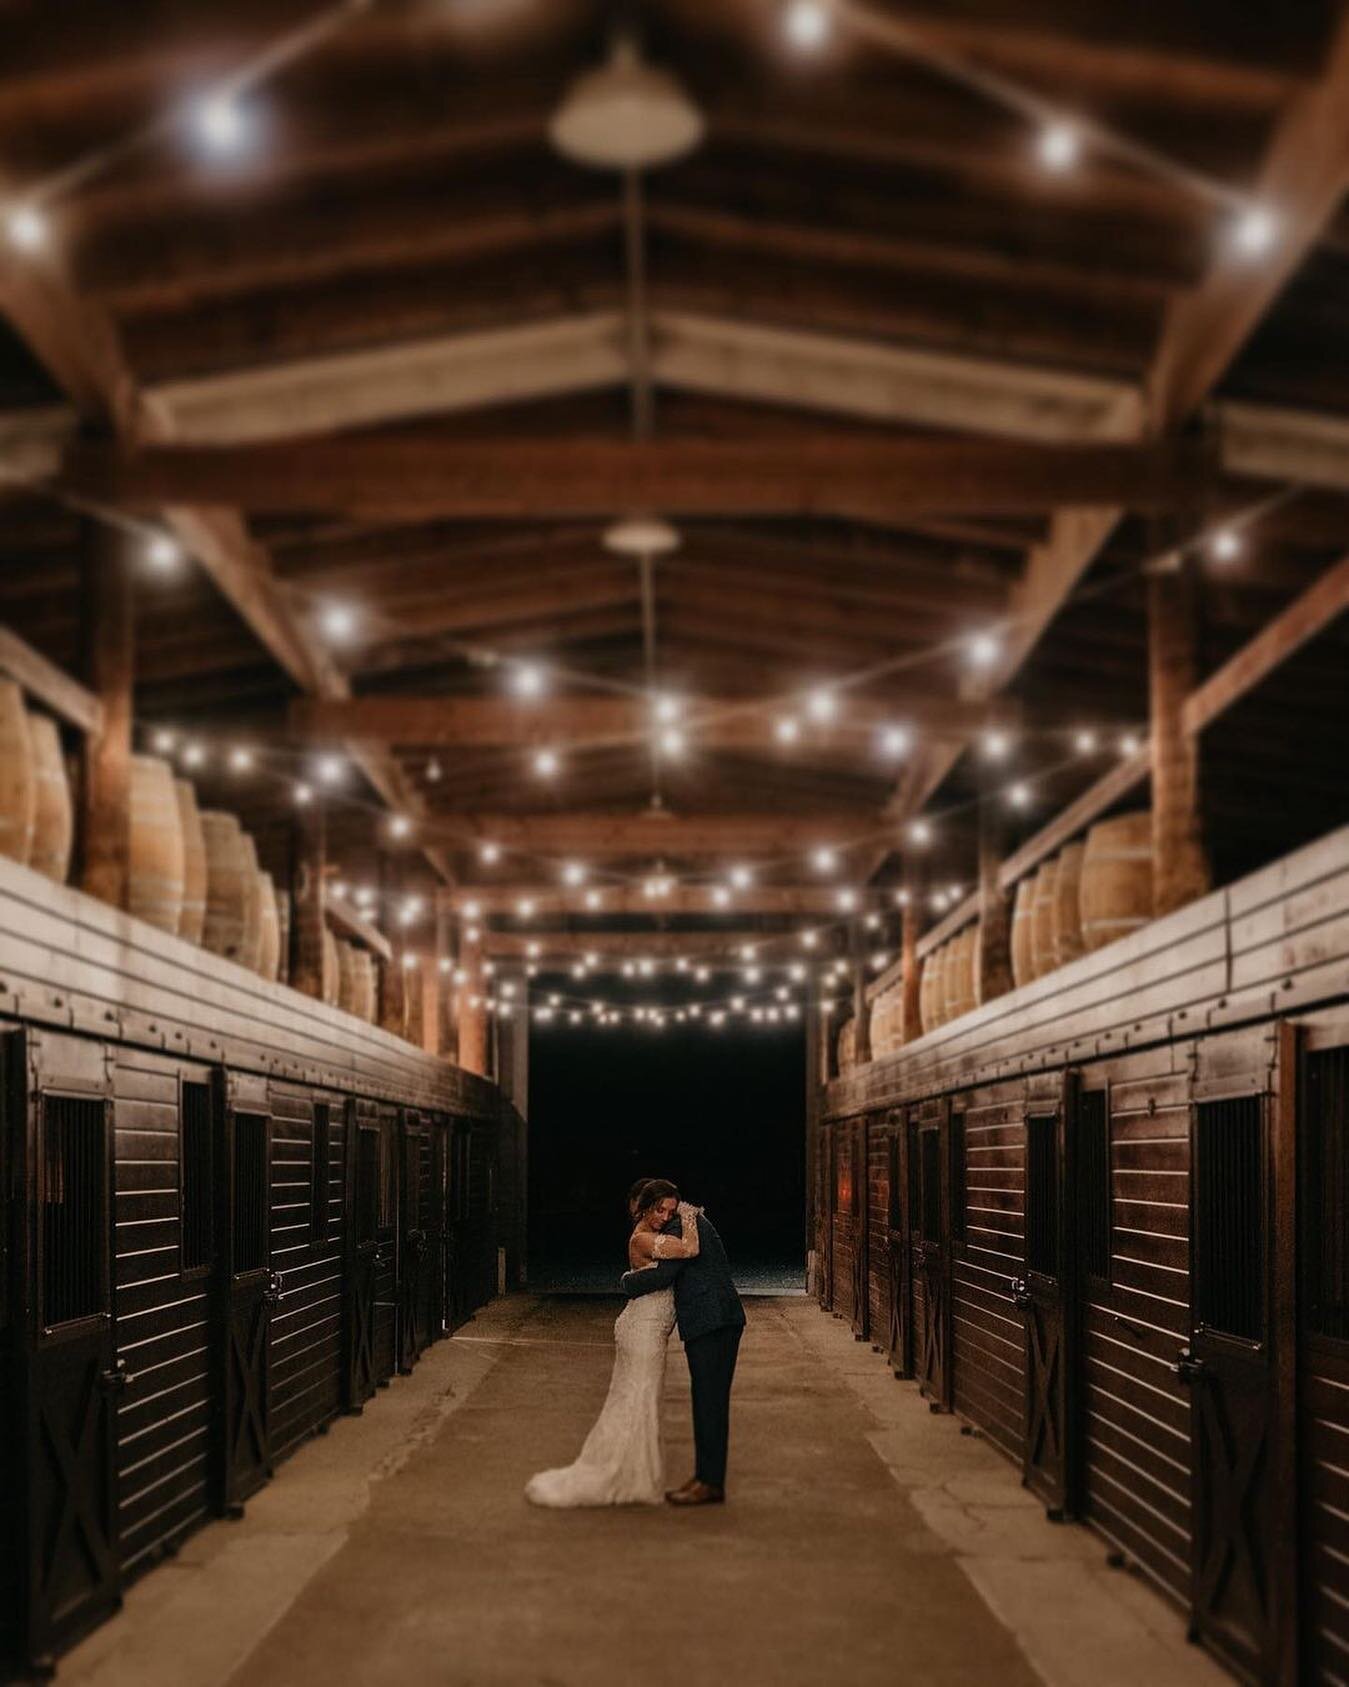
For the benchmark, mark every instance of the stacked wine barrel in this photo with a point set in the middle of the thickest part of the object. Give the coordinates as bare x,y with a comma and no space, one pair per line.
36,812
950,982
1083,898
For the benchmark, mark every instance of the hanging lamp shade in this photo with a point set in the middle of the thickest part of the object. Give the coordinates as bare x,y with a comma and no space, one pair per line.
626,115
641,535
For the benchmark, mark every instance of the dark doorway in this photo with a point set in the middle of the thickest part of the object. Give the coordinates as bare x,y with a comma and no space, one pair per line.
721,1112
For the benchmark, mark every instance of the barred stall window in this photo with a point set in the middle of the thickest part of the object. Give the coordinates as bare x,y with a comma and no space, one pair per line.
1325,1131
388,1175
1094,1187
367,1186
1229,1216
74,1209
931,1152
915,1191
895,1217
958,1176
250,1191
1042,1195
320,1172
197,1184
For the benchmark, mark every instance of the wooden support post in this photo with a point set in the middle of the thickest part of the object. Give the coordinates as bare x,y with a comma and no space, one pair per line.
861,1006
430,1004
1180,866
108,637
994,954
308,865
393,1014
447,1012
473,1051
911,1024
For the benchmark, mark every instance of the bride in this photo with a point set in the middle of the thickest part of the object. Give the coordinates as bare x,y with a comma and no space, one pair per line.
621,1462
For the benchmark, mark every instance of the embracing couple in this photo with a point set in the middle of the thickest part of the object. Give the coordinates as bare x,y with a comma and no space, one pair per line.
677,1272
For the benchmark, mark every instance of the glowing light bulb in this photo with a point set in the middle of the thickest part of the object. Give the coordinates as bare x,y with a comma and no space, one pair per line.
240,759
995,745
573,873
896,741
822,705
787,730
194,755
328,770
1084,743
527,680
920,834
337,622
672,742
594,899
1254,231
399,826
302,794
525,908
702,975
902,899
666,708
433,773
221,124
721,896
1059,146
846,901
163,553
546,763
809,939
1226,545
982,650
824,860
26,228
1128,745
489,854
741,878
164,740
1018,796
533,951
807,24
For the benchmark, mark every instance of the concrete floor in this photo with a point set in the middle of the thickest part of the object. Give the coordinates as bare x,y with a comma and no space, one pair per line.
865,1541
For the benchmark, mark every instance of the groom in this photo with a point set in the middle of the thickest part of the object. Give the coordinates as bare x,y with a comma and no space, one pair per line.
711,1320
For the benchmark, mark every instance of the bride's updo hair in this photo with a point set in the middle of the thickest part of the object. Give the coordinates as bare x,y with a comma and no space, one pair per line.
647,1191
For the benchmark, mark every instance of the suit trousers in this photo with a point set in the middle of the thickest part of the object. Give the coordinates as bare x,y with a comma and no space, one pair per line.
711,1360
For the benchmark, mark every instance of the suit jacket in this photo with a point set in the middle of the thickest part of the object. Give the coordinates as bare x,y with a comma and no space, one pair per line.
705,1297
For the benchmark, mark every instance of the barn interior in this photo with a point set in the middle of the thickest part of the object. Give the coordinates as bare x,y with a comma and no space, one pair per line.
785,555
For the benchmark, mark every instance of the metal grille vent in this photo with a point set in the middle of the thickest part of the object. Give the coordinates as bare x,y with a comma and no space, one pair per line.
1229,1239
250,1191
1042,1195
74,1209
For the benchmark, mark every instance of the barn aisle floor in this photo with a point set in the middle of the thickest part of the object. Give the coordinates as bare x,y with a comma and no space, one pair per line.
865,1541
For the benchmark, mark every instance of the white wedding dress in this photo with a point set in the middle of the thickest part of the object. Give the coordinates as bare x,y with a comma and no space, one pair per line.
622,1461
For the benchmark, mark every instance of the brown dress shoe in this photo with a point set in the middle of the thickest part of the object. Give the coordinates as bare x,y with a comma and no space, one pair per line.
696,1493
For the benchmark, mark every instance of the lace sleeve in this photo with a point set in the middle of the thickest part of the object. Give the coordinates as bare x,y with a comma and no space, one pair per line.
671,1247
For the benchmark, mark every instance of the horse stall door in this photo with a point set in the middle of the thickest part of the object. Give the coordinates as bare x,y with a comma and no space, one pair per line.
1045,1296
247,1289
437,1227
384,1342
1228,1365
415,1261
861,1183
826,1196
1323,1352
842,1251
899,1324
360,1266
59,1125
876,1222
456,1218
930,1142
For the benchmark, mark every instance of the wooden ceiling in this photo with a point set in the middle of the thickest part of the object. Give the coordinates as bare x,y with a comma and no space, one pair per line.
395,332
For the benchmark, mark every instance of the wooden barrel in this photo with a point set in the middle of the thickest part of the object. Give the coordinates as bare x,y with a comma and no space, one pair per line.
934,977
363,984
193,917
53,812
1022,914
1116,891
1042,919
18,780
269,948
346,975
1067,912
154,889
847,1046
283,921
960,974
250,944
332,978
226,893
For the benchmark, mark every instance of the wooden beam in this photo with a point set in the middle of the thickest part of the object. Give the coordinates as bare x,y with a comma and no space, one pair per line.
1300,186
344,918
487,722
720,948
653,835
832,374
48,684
627,901
512,478
1323,602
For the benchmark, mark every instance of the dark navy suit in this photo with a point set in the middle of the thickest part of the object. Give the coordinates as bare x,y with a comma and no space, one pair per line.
710,1319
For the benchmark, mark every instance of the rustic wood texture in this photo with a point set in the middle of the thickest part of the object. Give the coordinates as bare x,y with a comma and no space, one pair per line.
103,832
1180,869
